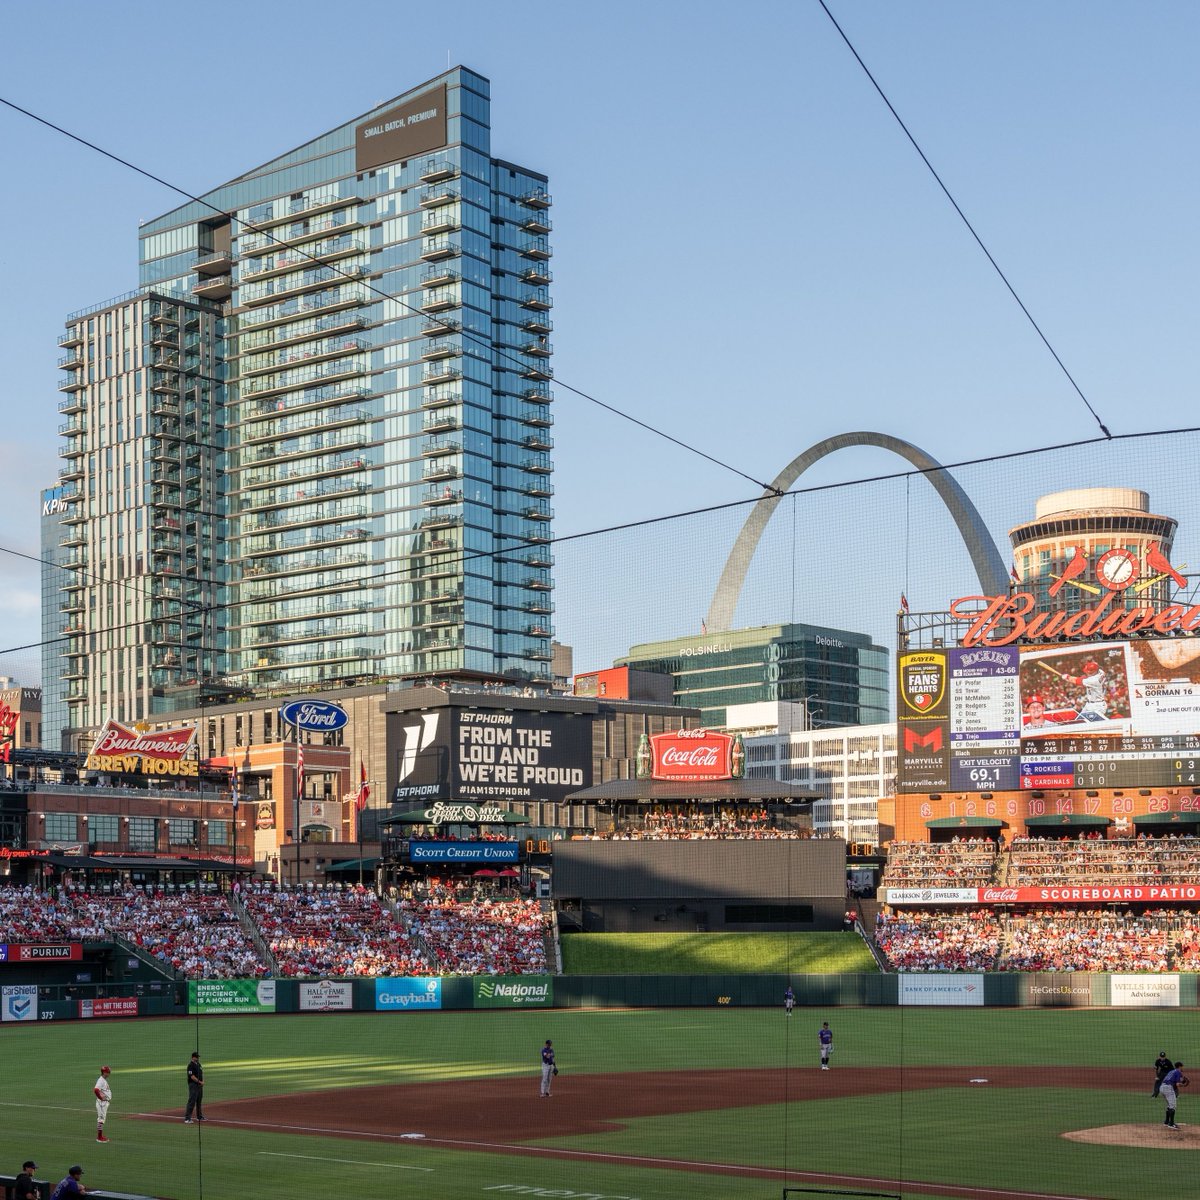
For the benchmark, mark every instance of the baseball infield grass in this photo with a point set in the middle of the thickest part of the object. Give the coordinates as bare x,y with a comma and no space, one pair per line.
715,954
968,1134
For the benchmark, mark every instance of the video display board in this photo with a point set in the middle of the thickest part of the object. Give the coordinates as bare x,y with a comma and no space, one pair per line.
1092,715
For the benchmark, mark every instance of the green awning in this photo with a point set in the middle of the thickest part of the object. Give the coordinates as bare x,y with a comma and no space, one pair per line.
351,866
1068,819
1168,819
965,823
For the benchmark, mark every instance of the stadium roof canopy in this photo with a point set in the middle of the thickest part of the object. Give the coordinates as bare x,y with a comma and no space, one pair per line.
1168,819
352,866
1078,820
965,823
661,791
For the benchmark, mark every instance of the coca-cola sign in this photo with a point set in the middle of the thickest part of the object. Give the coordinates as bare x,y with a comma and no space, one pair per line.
162,752
999,895
693,754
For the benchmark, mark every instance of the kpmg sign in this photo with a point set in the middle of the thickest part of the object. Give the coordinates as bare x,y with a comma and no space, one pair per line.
410,128
320,715
465,852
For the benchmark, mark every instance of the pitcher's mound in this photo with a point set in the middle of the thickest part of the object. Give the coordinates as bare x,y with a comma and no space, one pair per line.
1156,1137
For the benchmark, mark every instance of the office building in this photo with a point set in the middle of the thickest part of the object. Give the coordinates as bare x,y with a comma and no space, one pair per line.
842,677
57,504
358,331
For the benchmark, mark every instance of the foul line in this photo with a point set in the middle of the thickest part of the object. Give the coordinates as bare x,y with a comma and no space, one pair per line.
358,1162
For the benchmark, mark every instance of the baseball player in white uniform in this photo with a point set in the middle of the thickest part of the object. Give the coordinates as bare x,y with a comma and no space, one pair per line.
103,1098
1095,702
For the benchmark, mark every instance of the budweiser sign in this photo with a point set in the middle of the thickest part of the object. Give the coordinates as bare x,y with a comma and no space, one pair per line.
1007,619
692,754
122,750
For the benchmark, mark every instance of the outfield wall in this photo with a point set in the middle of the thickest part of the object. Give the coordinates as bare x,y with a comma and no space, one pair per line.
30,1002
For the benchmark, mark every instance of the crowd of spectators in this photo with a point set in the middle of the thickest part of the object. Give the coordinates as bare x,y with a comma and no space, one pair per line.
30,915
466,933
696,824
1144,860
939,940
961,862
326,931
1093,940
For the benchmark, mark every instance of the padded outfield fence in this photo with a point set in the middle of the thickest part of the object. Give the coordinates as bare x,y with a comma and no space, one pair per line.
463,993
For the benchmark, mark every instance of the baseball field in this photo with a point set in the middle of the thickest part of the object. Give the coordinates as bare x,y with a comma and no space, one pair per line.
653,1105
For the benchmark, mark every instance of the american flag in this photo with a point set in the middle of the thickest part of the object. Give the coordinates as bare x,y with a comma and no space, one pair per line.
903,602
299,768
364,792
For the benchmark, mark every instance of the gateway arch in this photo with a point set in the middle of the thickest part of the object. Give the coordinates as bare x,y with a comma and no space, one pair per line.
989,566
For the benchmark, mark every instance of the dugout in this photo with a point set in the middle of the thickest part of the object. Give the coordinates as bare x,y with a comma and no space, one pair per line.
732,885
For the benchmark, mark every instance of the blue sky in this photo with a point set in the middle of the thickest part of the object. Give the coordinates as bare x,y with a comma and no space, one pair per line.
748,253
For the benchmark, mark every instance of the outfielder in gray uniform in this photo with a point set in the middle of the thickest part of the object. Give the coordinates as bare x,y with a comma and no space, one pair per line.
549,1069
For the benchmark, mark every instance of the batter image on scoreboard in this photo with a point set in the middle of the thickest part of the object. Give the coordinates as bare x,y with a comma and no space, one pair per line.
1069,689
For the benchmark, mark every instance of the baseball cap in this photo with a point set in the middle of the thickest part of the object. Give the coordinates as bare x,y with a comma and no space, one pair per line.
106,1070
29,1166
1090,665
76,1170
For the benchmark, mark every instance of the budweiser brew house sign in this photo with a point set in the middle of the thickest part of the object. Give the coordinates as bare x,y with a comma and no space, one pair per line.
121,750
691,754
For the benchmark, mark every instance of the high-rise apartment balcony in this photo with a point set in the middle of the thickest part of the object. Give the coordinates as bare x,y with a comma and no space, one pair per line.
309,352
441,566
441,445
302,331
537,222
71,404
538,487
77,668
537,464
450,641
311,280
439,276
538,512
163,381
299,232
539,630
72,450
439,471
437,169
539,605
214,262
436,497
297,448
440,518
537,441
440,327
441,220
539,652
74,515
435,197
538,347
285,260
537,198
164,315
436,249
74,539
69,362
439,546
75,428
164,404
449,348
214,287
534,534
537,415
441,372
306,206
446,614
74,603
71,473
330,372
536,556
535,248
73,337
164,337
537,583
76,561
537,276
538,370
537,324
73,383
327,300
440,424
441,301
537,301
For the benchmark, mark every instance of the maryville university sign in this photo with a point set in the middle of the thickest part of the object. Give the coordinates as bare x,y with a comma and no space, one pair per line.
163,752
693,754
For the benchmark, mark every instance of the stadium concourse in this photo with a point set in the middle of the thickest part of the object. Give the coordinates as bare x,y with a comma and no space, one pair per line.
1107,931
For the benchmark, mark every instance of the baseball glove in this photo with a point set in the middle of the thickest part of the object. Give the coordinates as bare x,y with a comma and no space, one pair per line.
555,1070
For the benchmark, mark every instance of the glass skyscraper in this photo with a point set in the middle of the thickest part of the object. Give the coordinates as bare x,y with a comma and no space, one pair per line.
379,300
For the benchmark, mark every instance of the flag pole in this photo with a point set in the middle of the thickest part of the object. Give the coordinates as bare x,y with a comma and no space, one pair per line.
299,789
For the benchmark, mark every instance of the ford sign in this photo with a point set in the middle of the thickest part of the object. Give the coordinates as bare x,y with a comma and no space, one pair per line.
321,715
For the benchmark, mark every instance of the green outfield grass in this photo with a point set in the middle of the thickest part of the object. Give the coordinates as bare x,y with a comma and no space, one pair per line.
1007,1138
716,954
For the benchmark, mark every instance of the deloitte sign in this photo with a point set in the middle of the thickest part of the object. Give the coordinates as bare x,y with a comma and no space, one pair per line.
514,991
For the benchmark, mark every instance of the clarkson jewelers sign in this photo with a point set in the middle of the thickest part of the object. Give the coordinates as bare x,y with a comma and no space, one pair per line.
132,751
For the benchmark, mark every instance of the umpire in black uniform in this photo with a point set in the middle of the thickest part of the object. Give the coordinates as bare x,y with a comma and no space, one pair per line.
195,1082
1162,1064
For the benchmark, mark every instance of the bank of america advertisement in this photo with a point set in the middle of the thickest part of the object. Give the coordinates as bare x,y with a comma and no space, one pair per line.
492,754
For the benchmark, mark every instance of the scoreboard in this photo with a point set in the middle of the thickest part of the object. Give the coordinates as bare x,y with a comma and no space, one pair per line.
1079,715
